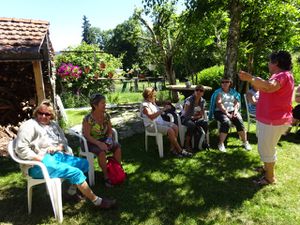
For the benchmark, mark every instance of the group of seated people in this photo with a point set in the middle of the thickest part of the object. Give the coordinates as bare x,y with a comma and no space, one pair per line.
41,139
225,105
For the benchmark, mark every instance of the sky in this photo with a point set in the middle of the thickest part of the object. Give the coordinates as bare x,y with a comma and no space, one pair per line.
66,16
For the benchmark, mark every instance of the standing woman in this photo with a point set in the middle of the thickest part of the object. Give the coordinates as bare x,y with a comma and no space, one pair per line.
193,117
273,109
97,129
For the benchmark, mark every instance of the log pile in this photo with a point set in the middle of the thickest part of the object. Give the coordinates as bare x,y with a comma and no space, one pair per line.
17,92
6,134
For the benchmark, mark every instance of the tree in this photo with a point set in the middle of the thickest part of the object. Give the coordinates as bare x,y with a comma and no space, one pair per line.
162,35
87,33
257,27
121,41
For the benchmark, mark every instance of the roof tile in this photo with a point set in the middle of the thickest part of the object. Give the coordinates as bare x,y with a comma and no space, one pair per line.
22,33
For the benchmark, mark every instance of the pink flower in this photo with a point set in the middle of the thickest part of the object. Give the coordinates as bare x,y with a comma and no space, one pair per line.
69,72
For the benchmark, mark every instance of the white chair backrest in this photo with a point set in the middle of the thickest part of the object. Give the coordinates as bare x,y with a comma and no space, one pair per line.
13,155
61,108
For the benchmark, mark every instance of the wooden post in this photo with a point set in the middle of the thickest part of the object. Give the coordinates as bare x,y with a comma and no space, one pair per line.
39,82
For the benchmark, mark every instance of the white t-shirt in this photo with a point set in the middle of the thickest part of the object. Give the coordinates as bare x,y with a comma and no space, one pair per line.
153,108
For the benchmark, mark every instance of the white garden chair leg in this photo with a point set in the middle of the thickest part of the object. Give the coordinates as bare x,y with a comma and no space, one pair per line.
159,140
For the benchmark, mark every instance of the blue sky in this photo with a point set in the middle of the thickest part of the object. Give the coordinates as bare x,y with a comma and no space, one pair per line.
65,16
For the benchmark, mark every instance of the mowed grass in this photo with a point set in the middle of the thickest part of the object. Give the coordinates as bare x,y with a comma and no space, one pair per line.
209,188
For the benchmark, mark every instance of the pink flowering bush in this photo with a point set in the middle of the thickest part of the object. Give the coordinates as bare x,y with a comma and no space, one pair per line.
69,72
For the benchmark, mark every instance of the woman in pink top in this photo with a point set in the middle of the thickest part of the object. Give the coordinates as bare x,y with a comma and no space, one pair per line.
273,110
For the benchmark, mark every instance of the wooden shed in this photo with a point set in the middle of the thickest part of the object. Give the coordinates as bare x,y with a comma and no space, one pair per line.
26,67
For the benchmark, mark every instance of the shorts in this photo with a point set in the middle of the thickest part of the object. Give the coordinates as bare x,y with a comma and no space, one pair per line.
96,150
161,127
296,112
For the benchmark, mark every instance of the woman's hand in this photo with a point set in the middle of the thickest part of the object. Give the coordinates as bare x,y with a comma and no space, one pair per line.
244,76
102,145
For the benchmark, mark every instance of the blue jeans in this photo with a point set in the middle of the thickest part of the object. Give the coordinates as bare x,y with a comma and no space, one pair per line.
61,165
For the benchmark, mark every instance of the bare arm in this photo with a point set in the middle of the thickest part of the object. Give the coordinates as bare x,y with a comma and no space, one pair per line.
152,115
251,99
268,86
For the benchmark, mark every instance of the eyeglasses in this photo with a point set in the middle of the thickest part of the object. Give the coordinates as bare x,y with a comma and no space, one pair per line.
201,90
225,82
44,114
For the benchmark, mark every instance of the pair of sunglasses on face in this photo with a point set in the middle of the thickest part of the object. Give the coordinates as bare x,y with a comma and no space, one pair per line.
44,114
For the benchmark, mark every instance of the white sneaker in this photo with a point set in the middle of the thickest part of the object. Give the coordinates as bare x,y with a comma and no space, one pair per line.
247,146
221,147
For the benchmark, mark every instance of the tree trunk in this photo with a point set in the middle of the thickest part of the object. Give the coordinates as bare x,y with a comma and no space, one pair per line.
230,68
171,76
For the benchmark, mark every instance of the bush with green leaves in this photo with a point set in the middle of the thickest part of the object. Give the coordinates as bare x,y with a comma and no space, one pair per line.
296,68
211,76
74,101
93,63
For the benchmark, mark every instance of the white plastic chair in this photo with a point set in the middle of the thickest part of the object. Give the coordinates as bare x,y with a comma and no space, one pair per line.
77,131
158,136
53,184
250,116
183,129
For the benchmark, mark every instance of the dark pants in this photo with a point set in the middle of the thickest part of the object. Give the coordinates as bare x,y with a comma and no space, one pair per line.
226,122
296,112
196,128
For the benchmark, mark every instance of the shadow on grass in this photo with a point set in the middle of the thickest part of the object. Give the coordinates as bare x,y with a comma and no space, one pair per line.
163,191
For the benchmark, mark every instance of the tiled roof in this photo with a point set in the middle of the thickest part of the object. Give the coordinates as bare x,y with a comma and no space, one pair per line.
22,36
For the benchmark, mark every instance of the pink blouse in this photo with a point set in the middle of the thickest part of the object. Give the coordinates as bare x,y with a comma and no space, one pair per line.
276,108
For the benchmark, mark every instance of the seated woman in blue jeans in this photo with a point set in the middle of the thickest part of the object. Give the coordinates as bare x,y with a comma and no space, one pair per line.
193,118
41,139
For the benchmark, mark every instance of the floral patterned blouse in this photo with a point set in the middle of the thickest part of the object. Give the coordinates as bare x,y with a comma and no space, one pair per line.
98,131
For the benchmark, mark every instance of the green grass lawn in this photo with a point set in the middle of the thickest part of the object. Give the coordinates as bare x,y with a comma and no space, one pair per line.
209,188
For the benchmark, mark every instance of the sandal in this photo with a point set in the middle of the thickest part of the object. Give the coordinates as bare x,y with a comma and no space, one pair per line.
185,153
176,154
262,182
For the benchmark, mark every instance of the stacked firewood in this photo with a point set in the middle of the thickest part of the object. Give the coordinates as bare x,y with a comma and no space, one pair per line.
17,88
7,133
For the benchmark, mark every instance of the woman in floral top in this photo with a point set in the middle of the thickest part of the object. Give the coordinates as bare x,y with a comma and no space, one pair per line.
97,129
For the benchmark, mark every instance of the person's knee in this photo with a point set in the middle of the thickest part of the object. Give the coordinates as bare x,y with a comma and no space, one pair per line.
171,133
225,125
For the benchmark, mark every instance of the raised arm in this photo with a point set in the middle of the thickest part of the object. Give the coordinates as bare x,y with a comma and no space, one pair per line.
260,84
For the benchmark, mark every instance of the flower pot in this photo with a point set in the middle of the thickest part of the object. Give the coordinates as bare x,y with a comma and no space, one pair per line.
87,69
102,66
110,75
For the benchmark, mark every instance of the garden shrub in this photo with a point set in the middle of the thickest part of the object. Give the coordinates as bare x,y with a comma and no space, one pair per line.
296,69
74,101
211,76
79,69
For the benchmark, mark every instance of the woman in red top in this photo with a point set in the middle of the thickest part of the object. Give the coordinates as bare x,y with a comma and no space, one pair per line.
273,109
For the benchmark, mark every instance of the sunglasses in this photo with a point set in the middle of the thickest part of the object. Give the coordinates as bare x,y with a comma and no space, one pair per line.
225,82
201,90
44,114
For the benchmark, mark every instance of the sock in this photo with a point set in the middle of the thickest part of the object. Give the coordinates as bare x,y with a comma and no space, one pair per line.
97,201
72,190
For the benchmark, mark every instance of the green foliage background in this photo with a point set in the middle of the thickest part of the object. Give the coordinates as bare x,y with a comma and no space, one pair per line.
85,56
